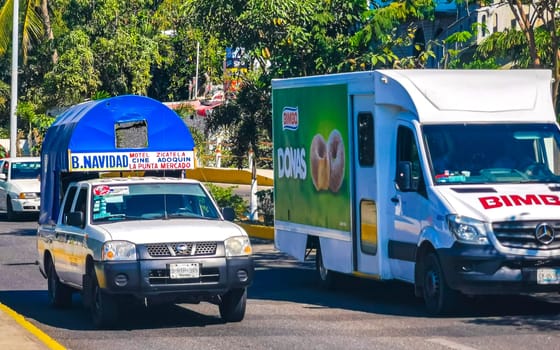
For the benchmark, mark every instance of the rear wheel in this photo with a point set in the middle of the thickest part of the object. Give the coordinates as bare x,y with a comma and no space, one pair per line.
103,308
233,305
59,294
438,297
327,278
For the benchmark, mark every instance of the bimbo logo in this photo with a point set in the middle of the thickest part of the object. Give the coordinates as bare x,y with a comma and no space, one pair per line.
290,118
514,200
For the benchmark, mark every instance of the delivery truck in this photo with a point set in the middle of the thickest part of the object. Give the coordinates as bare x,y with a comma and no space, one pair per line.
445,179
120,224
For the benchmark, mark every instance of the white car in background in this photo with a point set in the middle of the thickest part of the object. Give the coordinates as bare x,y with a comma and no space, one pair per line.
19,186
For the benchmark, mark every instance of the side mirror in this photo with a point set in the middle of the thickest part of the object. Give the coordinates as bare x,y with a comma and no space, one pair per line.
228,213
404,176
75,218
2,176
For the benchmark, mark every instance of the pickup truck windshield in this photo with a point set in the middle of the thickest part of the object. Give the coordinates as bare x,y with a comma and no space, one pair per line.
493,153
151,201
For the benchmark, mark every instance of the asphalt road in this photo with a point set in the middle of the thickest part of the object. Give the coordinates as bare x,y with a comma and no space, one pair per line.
286,310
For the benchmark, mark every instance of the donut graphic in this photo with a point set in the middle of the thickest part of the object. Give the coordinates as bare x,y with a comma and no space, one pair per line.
327,161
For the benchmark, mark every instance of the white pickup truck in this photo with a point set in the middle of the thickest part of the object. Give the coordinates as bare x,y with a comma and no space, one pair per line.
155,239
152,239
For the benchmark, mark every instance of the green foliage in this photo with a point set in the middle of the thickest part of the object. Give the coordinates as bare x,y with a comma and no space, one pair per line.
4,93
266,206
32,26
489,63
38,124
124,62
201,147
147,47
225,197
75,77
99,95
249,120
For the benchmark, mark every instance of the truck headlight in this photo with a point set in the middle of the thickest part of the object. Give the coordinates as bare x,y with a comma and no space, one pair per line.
118,250
28,195
467,230
238,246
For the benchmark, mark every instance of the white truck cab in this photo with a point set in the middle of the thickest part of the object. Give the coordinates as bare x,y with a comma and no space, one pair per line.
446,179
19,186
153,239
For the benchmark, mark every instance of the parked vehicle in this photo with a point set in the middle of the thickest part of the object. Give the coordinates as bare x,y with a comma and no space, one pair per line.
448,179
116,237
19,186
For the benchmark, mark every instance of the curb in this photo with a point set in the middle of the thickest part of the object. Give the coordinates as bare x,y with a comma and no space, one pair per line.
43,337
258,231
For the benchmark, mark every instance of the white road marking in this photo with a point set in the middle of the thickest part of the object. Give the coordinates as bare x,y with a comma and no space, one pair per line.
450,344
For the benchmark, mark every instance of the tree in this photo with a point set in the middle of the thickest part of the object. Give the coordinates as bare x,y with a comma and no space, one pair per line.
32,25
37,124
297,38
535,44
74,77
248,119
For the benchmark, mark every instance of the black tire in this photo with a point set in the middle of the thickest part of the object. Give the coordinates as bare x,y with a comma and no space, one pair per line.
60,295
438,297
327,278
233,305
103,308
10,214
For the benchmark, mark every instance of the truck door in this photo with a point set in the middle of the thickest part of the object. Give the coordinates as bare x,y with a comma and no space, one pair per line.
364,198
61,249
76,240
410,206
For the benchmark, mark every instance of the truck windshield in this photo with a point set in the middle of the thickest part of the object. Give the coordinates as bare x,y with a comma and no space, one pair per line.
493,153
25,170
151,201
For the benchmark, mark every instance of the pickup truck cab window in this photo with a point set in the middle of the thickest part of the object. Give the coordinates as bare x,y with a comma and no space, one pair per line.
69,200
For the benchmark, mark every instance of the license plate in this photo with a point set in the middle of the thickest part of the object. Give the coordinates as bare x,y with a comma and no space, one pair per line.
187,270
548,276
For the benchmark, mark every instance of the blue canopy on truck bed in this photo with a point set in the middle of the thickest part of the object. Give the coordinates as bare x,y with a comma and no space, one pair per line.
115,134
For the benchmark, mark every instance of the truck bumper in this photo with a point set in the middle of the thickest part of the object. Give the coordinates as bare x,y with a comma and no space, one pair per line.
26,205
151,278
483,270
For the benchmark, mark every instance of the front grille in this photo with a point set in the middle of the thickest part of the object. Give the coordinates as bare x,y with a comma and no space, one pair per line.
207,275
521,234
157,250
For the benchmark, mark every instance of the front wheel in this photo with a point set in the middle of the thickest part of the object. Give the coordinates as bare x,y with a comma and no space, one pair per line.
60,295
10,214
438,297
233,305
104,308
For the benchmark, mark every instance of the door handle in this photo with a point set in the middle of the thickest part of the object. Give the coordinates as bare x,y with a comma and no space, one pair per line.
395,199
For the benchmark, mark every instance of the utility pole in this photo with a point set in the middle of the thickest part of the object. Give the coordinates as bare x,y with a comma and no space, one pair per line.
14,86
196,75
